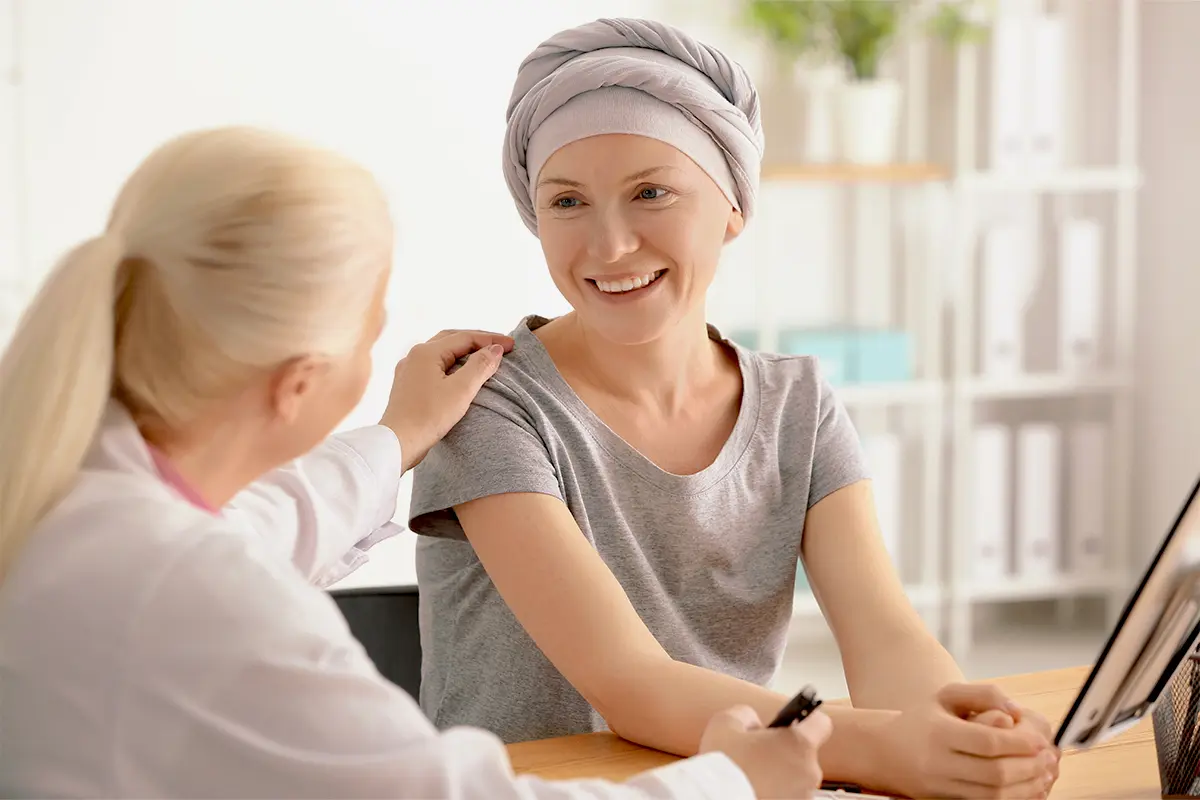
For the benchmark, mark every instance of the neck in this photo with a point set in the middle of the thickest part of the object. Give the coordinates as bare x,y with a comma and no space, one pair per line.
664,373
215,459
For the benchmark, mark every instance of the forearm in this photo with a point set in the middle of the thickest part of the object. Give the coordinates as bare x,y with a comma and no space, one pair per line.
907,668
324,509
667,705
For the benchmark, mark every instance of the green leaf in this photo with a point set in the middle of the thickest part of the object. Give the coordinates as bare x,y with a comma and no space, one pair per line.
794,28
864,30
954,25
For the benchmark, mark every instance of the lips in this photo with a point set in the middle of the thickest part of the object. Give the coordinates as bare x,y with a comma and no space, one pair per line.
625,285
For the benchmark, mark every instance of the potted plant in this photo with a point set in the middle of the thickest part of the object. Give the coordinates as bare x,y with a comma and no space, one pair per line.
837,46
868,104
798,34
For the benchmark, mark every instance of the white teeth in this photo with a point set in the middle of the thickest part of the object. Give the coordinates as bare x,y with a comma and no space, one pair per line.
628,284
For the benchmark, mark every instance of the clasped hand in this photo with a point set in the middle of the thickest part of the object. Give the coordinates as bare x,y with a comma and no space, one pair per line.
969,741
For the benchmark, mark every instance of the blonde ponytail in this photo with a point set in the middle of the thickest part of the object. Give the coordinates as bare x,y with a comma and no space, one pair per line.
55,378
229,251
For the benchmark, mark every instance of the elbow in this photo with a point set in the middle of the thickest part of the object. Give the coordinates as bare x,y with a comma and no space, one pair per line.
615,699
627,700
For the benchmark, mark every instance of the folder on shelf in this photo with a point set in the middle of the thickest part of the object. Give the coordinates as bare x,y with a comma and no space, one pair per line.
991,503
1047,91
1039,447
850,355
1079,294
1006,266
1087,497
1009,128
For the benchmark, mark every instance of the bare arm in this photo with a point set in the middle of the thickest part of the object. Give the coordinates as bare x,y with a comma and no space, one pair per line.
864,602
577,613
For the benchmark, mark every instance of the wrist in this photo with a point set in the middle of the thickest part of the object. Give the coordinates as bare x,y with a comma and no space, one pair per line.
859,751
403,441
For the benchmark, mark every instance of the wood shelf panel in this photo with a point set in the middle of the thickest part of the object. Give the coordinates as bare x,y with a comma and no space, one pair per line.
856,173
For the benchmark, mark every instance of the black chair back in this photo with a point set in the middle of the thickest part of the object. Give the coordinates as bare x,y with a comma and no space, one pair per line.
384,619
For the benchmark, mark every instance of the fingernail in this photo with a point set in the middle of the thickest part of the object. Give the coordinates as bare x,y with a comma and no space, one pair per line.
496,351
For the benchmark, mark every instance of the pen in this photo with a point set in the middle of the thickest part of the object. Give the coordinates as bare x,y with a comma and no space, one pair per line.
798,708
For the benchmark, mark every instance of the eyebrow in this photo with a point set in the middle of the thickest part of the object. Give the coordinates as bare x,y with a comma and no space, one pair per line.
637,176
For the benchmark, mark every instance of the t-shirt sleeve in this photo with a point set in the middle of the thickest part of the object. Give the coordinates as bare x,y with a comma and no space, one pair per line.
496,448
838,459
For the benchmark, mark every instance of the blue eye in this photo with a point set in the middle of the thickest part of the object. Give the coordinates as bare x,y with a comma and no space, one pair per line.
652,193
563,202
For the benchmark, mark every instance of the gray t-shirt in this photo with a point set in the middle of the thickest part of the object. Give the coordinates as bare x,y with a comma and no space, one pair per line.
708,560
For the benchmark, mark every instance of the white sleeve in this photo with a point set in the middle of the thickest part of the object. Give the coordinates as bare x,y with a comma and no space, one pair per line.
269,695
326,509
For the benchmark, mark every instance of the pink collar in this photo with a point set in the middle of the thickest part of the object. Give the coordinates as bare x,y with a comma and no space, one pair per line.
172,478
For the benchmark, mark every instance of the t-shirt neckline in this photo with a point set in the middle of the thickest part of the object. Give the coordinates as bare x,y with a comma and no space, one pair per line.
730,454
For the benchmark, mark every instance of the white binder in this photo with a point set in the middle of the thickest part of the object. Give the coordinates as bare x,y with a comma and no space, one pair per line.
1006,268
1080,276
1039,464
1009,140
991,502
1087,497
1046,84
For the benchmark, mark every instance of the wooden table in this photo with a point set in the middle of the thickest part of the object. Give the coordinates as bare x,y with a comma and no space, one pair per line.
1122,769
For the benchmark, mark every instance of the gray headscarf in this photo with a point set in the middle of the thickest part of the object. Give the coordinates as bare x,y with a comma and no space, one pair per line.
641,77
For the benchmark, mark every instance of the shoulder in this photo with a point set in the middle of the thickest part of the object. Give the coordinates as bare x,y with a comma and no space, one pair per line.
118,529
111,513
520,391
780,369
791,383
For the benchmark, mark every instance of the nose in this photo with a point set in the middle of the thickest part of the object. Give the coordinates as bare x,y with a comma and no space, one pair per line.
612,237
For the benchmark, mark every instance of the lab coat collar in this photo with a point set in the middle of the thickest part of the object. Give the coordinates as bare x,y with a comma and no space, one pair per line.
119,444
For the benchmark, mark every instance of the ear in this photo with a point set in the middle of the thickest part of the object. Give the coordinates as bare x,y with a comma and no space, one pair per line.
292,384
735,226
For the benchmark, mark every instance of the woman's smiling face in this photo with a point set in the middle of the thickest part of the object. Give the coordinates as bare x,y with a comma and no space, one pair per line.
632,230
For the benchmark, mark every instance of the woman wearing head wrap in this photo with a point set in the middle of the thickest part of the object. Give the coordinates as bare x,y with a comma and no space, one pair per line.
610,535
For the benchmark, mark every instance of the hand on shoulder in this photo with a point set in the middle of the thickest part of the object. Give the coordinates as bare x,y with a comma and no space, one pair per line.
429,396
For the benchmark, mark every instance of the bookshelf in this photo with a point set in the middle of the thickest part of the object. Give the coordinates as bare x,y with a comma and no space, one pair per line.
1037,392
951,200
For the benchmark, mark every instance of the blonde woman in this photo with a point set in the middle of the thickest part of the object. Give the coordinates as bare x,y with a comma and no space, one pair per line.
165,521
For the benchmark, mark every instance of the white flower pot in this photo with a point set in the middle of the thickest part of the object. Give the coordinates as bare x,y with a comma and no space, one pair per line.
821,86
869,121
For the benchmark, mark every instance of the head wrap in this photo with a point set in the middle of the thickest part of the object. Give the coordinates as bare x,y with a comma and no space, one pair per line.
639,77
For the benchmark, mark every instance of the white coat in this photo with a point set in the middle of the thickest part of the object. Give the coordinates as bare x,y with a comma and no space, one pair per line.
151,649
